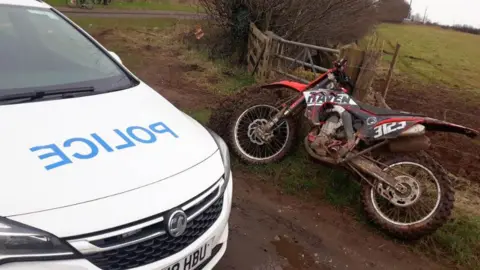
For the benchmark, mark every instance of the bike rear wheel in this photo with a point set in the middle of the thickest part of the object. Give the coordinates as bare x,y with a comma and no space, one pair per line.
423,206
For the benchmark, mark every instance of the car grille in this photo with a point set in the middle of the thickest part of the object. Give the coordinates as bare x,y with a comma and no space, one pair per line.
202,215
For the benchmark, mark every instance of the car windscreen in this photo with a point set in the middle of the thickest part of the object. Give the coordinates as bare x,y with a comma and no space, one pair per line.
40,50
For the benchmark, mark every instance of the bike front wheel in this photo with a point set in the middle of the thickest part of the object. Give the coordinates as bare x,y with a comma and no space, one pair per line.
249,139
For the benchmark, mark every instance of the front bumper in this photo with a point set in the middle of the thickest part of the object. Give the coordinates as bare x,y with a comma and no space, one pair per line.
218,231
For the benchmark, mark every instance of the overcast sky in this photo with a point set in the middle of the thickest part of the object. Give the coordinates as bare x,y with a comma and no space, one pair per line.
450,11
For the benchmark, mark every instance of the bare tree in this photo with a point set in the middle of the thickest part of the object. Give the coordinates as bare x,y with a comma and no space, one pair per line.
393,10
321,22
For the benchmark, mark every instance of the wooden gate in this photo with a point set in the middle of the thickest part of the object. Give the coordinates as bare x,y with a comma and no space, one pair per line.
258,52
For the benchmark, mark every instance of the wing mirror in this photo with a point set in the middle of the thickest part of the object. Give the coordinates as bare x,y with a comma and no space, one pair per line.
114,55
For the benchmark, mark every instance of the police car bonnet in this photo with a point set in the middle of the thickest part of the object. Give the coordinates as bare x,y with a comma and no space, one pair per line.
63,152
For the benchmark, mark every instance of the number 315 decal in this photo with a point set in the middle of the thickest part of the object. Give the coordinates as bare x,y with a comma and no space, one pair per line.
388,128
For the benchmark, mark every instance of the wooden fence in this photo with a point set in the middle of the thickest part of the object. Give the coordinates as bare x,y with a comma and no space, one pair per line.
303,56
258,52
270,55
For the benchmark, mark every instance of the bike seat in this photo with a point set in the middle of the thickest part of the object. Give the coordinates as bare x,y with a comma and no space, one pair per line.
385,111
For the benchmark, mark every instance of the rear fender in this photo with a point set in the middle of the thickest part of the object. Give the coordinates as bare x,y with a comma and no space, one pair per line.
300,87
392,127
443,126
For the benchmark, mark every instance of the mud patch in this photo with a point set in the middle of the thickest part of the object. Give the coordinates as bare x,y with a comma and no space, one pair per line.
295,254
100,36
159,68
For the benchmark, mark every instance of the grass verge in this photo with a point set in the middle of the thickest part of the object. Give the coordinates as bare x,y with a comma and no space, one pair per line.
435,55
458,240
166,5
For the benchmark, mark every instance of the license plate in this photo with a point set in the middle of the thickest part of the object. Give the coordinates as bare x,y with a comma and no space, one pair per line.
195,258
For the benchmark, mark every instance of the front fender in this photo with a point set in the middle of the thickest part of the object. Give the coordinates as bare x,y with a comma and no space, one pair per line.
300,87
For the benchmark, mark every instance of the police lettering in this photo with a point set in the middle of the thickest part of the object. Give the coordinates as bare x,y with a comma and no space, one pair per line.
94,144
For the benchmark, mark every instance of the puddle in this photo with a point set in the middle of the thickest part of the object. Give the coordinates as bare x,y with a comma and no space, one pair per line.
295,254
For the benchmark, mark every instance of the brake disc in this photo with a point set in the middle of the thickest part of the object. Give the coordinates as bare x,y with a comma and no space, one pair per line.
408,193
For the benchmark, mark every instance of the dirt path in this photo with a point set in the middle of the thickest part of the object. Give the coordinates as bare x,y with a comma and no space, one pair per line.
130,13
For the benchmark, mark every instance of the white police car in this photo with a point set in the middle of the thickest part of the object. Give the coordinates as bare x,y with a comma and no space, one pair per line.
98,170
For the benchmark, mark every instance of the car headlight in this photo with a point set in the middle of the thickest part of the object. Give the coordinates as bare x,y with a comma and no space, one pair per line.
19,242
223,148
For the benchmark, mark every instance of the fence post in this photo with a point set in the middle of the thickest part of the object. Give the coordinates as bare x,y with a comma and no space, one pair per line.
267,56
355,60
259,52
390,71
250,63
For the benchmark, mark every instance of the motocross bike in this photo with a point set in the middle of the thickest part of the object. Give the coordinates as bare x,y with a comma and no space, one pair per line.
406,193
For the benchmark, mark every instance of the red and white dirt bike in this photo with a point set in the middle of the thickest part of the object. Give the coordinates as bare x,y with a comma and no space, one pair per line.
405,192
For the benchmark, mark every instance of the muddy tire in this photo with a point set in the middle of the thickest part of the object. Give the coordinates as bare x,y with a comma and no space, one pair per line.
262,100
223,111
436,218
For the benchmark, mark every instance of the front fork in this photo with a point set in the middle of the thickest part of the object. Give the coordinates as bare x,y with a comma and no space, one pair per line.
285,112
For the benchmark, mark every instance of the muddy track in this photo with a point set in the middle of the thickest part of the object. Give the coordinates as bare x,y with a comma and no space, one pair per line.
131,13
270,230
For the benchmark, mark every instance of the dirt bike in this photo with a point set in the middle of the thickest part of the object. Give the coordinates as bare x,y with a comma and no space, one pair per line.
406,193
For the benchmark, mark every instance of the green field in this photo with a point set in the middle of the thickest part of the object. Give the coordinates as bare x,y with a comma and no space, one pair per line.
434,54
168,5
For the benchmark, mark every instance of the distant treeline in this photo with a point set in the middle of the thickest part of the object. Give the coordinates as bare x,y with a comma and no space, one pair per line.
462,28
458,27
417,18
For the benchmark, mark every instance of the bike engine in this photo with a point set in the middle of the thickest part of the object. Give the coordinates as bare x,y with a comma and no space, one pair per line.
325,137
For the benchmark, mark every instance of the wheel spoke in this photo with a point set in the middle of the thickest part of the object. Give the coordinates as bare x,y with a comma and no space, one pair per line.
417,203
252,141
